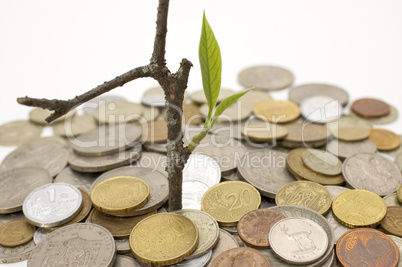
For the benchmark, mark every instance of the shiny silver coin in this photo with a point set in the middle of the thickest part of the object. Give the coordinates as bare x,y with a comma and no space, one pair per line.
85,244
52,204
299,93
320,109
266,77
17,254
202,168
90,106
192,192
39,235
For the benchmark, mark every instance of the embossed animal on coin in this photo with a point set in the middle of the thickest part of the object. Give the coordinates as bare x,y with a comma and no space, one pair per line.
301,238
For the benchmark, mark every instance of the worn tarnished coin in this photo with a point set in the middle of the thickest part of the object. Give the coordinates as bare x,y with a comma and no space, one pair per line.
120,195
227,202
399,193
231,177
39,235
154,132
277,111
123,246
125,261
392,222
107,140
52,204
253,228
266,170
299,93
75,126
320,109
297,211
164,238
298,240
306,194
322,161
16,233
16,133
305,133
16,216
48,155
198,97
370,108
392,200
103,163
359,208
157,182
366,247
263,132
119,227
296,166
82,215
254,96
16,184
349,121
202,168
239,257
344,149
39,115
398,243
266,77
192,192
398,161
17,254
85,244
81,180
337,227
117,112
208,230
223,149
350,134
384,139
154,161
155,147
225,242
373,172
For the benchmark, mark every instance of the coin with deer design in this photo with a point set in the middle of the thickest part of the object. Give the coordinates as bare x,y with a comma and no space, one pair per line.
298,240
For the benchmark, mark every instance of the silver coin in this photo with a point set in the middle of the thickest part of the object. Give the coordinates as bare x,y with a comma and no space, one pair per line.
39,235
298,240
200,261
347,121
81,180
392,200
107,139
16,216
202,168
90,106
82,244
155,161
155,147
122,246
299,93
320,109
398,243
344,149
208,231
192,192
52,204
48,155
125,261
118,112
337,228
335,190
225,150
75,126
372,172
103,163
16,184
154,100
322,162
266,77
231,229
266,170
20,253
233,113
297,211
157,182
225,242
16,133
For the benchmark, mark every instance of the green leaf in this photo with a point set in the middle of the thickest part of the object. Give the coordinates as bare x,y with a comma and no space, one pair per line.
226,103
211,64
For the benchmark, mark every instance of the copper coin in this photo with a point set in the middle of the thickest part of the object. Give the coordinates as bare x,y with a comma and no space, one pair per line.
366,247
240,257
392,223
370,108
384,139
253,228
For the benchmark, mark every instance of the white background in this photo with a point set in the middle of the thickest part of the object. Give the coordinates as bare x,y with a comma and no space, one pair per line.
59,49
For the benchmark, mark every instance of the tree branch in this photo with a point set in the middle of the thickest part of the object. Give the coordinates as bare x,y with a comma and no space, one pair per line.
61,107
158,55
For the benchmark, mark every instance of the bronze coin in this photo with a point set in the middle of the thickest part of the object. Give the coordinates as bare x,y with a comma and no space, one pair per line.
392,223
384,139
366,247
253,228
370,108
240,257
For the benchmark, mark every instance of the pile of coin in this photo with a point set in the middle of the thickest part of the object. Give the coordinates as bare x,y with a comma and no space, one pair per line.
276,182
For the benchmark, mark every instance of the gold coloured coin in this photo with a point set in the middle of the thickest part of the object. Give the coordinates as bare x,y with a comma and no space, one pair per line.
120,195
277,111
359,208
228,201
16,233
399,193
384,139
264,132
305,194
164,238
350,134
